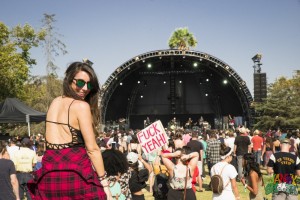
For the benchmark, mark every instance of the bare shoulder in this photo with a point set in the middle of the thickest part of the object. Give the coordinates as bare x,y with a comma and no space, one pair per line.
81,105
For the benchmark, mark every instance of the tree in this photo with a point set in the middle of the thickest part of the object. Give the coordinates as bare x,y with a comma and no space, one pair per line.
15,60
182,39
53,47
281,109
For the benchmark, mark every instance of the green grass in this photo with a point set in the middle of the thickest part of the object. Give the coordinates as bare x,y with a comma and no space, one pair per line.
207,194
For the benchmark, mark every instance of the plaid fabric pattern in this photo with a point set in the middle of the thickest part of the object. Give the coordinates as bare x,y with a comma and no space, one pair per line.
66,174
213,151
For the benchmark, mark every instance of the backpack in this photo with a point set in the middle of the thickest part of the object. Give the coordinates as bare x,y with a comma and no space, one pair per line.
160,187
216,182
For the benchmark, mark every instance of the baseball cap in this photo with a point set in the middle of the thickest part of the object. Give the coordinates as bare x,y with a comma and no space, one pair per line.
132,157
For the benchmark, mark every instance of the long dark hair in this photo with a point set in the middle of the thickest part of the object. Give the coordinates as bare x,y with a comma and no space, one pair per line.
224,150
93,96
114,162
251,165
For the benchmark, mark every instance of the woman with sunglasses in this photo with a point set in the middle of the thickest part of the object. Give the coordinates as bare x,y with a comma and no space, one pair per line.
72,164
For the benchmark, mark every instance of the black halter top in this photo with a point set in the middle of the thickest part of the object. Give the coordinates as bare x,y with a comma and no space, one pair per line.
77,139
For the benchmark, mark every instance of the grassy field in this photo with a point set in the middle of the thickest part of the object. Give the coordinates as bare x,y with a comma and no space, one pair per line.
207,194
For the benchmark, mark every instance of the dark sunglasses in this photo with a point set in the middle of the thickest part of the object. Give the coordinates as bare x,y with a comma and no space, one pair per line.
81,83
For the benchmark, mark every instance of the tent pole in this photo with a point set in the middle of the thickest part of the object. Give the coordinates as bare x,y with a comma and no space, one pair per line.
28,123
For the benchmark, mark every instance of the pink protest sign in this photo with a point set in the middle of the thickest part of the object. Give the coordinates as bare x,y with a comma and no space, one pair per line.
152,137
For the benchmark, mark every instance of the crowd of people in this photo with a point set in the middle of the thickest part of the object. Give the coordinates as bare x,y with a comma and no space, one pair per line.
74,161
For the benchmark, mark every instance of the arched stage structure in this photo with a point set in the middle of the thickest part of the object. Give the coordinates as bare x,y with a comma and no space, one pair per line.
171,83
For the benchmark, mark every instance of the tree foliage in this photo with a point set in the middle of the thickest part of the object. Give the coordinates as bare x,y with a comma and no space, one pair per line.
15,58
182,39
281,109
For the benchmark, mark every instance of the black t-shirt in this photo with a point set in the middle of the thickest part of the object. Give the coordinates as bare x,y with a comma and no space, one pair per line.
284,163
195,146
138,181
7,168
242,143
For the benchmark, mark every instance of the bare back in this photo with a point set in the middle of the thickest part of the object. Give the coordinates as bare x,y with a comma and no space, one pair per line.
61,110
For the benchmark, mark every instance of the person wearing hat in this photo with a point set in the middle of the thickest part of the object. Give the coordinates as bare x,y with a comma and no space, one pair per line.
24,160
285,167
242,145
138,178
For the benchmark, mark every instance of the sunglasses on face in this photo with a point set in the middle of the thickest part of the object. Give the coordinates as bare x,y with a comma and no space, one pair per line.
81,83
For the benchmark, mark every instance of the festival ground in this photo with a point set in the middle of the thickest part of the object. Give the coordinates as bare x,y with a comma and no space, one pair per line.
207,194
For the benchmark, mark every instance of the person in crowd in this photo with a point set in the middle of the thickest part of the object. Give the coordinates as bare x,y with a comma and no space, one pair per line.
293,148
24,160
242,145
276,145
186,137
178,141
267,150
138,178
252,180
71,149
196,146
181,172
8,180
134,145
257,142
106,137
117,169
39,153
228,174
12,148
213,151
203,140
285,167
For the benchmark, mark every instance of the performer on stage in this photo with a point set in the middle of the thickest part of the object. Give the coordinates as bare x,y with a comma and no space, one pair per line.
231,122
189,123
147,122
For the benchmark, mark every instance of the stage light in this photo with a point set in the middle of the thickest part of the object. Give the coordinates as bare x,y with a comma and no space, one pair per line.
121,83
207,79
225,81
142,96
206,94
195,64
149,66
139,82
180,81
165,82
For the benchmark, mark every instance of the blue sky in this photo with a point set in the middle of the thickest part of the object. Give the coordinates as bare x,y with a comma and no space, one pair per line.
111,32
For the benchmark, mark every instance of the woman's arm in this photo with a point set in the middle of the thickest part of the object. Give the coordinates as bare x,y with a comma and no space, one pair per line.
235,189
193,157
84,117
167,162
146,165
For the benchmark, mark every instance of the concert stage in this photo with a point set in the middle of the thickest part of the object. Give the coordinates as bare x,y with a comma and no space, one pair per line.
171,83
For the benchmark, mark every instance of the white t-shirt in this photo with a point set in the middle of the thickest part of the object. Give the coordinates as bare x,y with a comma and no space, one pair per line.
230,143
11,150
229,172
